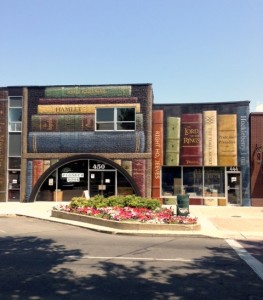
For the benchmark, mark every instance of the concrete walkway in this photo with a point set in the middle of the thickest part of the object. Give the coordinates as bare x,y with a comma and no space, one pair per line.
216,221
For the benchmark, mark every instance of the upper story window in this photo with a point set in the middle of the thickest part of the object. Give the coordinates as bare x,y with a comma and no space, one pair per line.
115,119
15,114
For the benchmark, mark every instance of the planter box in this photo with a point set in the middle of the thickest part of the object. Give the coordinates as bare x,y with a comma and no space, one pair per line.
123,225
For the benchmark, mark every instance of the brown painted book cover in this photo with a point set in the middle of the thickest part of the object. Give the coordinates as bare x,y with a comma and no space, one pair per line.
83,122
210,137
191,140
139,174
227,140
157,152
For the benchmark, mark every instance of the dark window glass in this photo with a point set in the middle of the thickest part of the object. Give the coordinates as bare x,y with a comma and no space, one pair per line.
14,144
171,181
14,163
15,114
105,114
115,118
125,114
126,126
15,101
105,126
193,181
214,183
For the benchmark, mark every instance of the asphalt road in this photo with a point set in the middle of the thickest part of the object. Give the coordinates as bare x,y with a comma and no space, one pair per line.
46,260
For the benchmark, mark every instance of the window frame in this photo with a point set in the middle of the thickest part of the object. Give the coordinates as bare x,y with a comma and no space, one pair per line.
115,122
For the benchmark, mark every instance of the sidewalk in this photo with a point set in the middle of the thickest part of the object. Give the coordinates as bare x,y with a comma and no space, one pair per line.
216,221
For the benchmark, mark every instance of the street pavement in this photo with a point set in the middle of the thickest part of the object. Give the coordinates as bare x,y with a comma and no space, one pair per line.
227,222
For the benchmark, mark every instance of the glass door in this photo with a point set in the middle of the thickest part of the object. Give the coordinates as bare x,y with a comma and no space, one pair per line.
234,188
102,183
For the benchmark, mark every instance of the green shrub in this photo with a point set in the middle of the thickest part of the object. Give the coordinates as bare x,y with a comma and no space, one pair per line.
79,202
120,201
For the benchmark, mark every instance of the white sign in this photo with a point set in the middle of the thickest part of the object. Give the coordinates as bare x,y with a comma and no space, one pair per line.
73,179
72,175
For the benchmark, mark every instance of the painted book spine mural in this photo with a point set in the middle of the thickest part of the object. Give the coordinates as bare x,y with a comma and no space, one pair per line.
139,122
46,164
83,122
87,100
62,128
173,132
227,140
127,166
243,152
83,142
191,140
37,170
29,178
139,173
79,108
157,152
3,144
88,91
210,138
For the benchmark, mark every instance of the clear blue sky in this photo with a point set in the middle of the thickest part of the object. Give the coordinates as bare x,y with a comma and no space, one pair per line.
190,50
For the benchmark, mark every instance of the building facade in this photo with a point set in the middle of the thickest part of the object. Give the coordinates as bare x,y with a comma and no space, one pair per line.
59,142
256,150
205,152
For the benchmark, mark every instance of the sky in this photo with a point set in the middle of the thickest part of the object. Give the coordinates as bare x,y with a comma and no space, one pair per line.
192,51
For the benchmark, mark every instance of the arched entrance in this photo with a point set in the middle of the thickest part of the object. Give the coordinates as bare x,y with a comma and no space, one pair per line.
70,177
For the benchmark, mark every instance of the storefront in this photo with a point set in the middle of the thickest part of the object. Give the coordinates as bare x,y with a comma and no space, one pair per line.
205,152
204,185
84,175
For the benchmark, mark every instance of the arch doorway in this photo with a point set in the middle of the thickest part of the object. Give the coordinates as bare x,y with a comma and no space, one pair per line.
70,177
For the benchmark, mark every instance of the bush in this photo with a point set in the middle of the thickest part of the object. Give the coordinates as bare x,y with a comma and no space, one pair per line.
113,201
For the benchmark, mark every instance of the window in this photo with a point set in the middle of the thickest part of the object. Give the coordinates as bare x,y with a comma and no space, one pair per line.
115,119
171,181
214,182
193,181
15,144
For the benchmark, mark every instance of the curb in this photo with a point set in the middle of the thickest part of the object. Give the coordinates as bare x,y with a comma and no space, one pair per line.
125,225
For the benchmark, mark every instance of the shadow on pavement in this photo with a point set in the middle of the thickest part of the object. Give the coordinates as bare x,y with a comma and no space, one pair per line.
34,268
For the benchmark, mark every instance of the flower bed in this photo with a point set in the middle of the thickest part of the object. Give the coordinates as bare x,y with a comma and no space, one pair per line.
127,216
125,213
142,215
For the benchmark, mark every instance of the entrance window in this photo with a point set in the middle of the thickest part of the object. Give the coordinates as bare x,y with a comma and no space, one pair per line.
214,182
115,119
73,178
193,181
233,188
171,181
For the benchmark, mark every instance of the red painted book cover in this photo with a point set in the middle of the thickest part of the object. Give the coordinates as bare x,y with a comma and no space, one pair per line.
38,165
157,152
191,140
